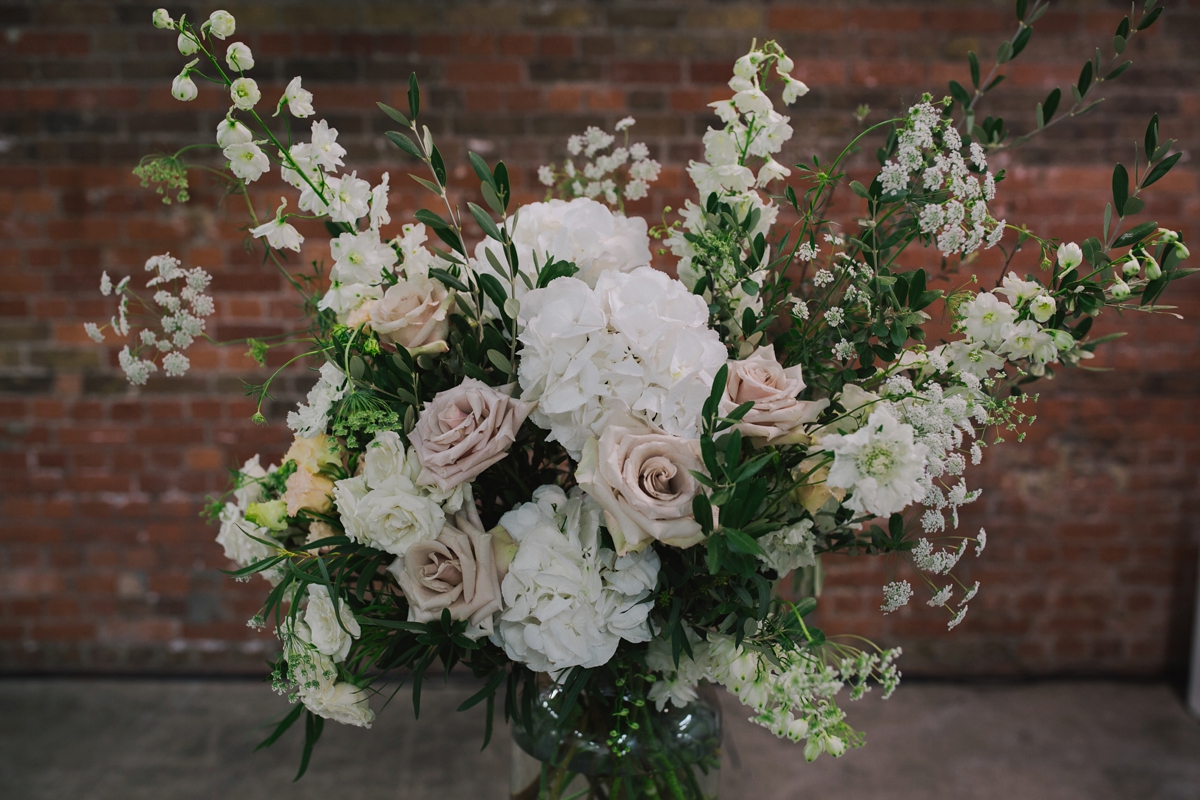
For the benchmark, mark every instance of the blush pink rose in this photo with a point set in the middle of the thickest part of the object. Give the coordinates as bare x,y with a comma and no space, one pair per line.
455,571
464,430
777,416
412,315
643,480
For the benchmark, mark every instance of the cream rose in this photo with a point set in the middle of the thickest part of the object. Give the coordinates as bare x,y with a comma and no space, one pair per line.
412,314
455,571
777,415
308,490
643,481
312,453
464,430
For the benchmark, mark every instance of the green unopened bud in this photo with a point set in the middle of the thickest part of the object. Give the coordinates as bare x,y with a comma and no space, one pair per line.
272,515
1181,250
1063,340
1153,270
258,418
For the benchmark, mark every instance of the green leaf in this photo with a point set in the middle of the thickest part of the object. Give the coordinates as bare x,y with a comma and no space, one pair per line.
481,169
502,187
281,728
740,542
448,279
960,94
1004,53
1120,188
1022,7
974,61
438,166
1116,72
1119,44
500,361
313,725
555,269
1123,28
404,143
394,114
1152,136
485,222
430,185
414,96
492,199
1085,78
1132,206
1149,19
1050,104
702,511
492,288
1021,40
1161,169
487,691
859,190
995,82
805,607
1135,235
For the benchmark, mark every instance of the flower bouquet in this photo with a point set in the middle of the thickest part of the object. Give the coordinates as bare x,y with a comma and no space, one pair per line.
542,460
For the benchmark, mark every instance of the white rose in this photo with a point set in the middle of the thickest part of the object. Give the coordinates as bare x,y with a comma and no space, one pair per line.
327,635
412,315
777,416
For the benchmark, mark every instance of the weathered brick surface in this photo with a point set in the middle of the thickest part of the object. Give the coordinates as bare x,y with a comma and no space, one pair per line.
104,564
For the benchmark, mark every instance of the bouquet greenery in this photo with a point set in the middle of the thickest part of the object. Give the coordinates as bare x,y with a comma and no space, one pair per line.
583,480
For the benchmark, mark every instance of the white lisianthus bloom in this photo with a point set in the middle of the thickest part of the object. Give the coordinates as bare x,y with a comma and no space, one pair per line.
569,601
1042,308
333,632
247,161
1019,291
793,89
298,99
360,257
221,24
973,358
279,234
1070,256
341,702
183,88
732,178
239,58
986,319
1027,340
349,198
772,170
161,19
880,463
379,215
235,537
187,44
311,418
230,131
244,93
383,507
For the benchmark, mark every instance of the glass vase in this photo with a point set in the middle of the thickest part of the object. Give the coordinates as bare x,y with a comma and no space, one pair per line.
607,747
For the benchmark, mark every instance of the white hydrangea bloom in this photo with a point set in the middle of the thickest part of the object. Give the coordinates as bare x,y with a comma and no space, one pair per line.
582,231
638,345
789,548
568,601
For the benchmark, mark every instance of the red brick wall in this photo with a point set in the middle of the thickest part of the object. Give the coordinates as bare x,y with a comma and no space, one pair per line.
104,564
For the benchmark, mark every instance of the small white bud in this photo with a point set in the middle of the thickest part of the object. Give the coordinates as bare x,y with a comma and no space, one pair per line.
221,24
1131,267
1182,250
162,19
1063,340
1042,307
186,44
230,131
1153,270
1070,256
239,57
184,88
244,93
1119,290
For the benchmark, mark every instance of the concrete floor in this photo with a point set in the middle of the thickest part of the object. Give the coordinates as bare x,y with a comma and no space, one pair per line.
183,739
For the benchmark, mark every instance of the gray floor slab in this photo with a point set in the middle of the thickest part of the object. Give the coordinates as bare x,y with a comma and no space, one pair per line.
183,739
